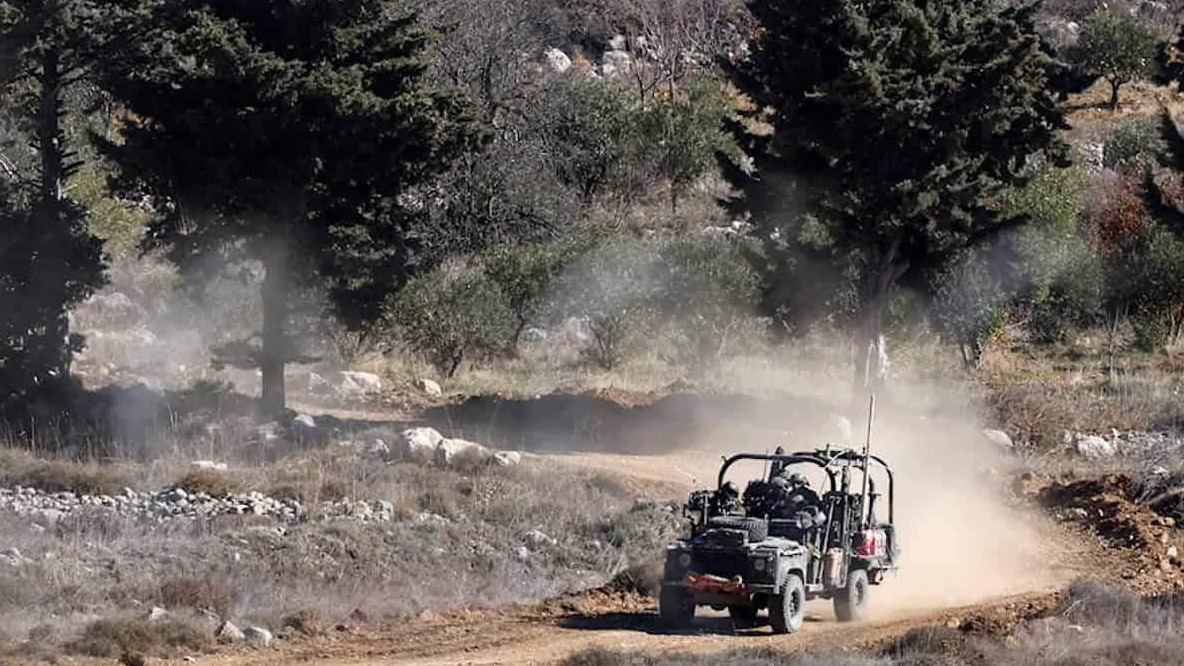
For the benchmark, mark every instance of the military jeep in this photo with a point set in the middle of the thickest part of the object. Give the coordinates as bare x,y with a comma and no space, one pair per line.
747,556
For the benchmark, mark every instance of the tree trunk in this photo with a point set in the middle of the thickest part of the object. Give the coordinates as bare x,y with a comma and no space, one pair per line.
1114,86
275,316
49,131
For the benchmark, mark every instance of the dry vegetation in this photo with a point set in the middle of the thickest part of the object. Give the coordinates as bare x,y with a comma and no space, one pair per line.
459,539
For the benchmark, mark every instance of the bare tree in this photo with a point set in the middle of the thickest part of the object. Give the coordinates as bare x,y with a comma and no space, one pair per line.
676,37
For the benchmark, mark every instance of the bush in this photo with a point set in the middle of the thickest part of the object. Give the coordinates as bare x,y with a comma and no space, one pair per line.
612,288
454,312
707,293
212,482
213,594
113,637
1135,145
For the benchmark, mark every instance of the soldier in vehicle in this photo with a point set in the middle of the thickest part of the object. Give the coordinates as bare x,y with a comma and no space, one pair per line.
726,501
798,497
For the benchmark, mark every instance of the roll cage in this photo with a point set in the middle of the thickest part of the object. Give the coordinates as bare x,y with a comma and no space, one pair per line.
837,464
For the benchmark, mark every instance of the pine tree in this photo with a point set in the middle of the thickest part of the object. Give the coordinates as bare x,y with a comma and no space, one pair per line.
294,133
49,261
893,123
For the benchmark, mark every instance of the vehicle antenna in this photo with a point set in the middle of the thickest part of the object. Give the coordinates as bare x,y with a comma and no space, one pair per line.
867,457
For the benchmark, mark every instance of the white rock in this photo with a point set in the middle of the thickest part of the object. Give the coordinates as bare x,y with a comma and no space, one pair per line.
229,632
156,613
507,458
1173,552
1094,447
449,449
431,388
557,60
618,43
615,62
351,384
419,443
258,635
538,539
1000,439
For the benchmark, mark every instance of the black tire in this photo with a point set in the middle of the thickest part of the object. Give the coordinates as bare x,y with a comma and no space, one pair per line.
743,617
675,608
757,528
787,608
851,601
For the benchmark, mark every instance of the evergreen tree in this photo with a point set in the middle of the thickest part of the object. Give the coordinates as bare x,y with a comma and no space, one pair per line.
295,133
894,123
49,261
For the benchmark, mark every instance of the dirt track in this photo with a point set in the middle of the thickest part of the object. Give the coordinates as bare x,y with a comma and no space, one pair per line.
536,636
550,632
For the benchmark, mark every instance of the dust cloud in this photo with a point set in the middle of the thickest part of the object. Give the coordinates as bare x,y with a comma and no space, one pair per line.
961,542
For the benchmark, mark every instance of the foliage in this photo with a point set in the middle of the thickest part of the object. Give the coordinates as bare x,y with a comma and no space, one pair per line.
452,313
1117,47
706,293
588,131
682,134
850,181
503,194
524,274
325,134
612,289
51,262
1134,146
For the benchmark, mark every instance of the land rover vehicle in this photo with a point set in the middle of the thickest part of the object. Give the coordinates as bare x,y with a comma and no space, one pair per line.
751,557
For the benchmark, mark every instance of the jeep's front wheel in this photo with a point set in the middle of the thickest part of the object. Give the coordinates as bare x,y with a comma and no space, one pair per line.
787,608
676,610
851,601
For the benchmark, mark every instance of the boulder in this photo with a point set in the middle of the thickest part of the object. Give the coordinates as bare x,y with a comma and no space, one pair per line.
431,388
350,384
229,633
304,428
156,613
419,443
450,449
507,458
999,439
1095,448
209,465
557,60
615,62
258,636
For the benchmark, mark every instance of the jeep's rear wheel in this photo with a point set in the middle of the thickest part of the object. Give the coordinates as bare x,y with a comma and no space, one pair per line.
676,610
851,601
787,608
743,617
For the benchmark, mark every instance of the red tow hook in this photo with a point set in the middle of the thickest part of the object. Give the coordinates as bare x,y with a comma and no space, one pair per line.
716,584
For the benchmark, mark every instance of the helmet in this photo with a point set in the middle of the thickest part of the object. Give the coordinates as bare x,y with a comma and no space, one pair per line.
798,479
730,489
780,482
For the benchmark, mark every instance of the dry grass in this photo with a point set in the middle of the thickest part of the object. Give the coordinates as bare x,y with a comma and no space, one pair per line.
470,550
1039,395
23,469
116,637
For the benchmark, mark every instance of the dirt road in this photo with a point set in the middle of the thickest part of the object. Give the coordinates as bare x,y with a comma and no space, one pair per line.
539,636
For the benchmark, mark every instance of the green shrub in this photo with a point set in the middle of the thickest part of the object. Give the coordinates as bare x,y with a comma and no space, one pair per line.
453,313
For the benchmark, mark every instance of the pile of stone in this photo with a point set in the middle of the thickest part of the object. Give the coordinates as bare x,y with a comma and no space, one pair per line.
172,504
1116,443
